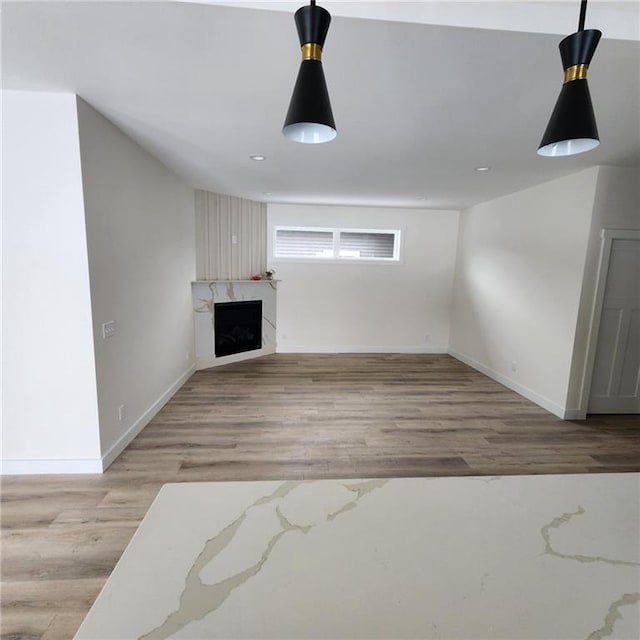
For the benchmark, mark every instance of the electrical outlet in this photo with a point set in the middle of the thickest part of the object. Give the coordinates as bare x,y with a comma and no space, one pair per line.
514,365
122,412
426,337
108,329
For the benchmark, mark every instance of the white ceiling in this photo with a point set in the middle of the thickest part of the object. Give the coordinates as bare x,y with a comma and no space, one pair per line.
418,105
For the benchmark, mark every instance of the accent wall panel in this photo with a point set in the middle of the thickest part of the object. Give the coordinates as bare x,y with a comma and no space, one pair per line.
231,237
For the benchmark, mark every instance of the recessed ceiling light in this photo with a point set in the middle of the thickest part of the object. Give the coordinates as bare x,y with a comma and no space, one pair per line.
421,198
258,158
483,168
267,193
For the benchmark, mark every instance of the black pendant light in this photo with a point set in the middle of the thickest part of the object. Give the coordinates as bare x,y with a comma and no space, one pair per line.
572,127
310,119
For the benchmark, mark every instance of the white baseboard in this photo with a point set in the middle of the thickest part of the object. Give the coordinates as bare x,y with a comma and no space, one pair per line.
116,449
93,465
574,414
50,466
207,362
359,349
540,400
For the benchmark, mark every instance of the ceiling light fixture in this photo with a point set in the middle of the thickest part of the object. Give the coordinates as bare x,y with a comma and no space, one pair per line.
572,127
257,158
481,169
310,119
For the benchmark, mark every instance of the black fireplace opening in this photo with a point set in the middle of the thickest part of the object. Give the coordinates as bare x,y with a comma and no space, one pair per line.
237,327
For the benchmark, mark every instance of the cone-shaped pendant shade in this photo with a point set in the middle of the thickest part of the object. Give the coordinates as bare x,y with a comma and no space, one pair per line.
310,119
572,127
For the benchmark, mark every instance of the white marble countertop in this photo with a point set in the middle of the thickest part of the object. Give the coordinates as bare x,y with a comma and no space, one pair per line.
536,557
249,281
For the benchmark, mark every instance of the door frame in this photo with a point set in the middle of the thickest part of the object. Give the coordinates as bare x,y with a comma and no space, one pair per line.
608,236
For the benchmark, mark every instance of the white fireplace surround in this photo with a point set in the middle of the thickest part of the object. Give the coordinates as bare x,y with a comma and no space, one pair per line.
207,293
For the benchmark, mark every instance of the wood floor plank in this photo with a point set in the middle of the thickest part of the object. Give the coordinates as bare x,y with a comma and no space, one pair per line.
64,625
281,417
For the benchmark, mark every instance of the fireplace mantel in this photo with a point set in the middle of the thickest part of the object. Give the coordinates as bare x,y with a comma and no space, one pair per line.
206,293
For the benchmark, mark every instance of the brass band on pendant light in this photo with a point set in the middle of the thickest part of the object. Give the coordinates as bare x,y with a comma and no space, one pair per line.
572,127
310,119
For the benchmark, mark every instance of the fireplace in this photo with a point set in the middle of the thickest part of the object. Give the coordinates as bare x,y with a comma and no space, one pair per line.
237,327
207,294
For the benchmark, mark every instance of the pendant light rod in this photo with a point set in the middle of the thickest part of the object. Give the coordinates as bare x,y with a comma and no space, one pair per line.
583,14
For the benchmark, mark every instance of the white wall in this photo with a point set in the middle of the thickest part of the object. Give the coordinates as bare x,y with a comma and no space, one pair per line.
368,307
141,242
518,284
616,206
50,411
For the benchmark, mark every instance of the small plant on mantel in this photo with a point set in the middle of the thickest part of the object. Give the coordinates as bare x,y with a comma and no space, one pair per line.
269,273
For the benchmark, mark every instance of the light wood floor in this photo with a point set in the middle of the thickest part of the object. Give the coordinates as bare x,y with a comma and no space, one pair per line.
281,417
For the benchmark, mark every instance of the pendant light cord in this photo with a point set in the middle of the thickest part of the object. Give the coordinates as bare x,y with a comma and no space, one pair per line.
583,14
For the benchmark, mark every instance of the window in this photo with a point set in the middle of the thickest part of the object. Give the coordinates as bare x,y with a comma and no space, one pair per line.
315,243
303,243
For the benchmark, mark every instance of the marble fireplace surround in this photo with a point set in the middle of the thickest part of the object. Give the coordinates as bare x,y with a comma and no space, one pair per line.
207,293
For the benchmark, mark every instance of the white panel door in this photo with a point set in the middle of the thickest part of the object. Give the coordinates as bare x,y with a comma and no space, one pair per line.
616,375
